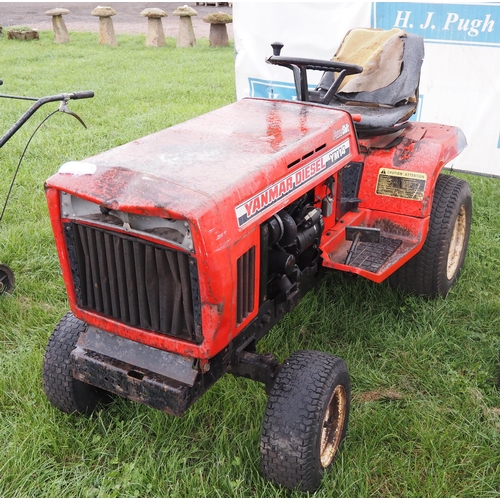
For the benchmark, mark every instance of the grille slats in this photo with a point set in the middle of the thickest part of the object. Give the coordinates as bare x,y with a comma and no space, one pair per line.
95,272
165,291
130,290
84,261
118,257
152,289
112,274
176,313
103,274
186,290
134,281
140,274
245,268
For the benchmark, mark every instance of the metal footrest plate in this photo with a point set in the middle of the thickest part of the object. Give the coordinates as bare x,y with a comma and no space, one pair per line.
372,256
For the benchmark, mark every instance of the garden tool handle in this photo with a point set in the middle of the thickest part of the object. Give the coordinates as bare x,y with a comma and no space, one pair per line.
84,94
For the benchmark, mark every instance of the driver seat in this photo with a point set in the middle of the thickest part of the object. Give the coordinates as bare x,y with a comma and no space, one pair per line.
385,94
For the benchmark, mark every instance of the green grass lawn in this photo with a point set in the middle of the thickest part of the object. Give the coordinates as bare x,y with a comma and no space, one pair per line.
425,415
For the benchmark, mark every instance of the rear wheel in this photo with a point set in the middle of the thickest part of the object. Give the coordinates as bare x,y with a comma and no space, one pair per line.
305,420
62,389
6,279
436,267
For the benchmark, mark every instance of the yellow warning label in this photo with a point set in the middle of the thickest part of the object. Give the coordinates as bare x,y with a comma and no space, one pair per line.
401,184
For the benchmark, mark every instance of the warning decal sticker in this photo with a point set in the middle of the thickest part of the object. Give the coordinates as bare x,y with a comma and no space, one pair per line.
401,184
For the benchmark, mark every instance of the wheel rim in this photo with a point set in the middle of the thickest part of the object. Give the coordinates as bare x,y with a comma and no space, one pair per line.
457,243
333,425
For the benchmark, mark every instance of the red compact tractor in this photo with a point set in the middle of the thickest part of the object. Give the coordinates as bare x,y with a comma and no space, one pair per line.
182,249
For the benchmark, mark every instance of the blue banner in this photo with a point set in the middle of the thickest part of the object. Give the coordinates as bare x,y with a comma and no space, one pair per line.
272,90
471,24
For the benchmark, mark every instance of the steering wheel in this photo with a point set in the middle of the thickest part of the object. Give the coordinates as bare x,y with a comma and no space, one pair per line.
299,67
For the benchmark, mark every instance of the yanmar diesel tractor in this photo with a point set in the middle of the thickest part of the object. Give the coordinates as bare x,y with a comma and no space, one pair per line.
182,249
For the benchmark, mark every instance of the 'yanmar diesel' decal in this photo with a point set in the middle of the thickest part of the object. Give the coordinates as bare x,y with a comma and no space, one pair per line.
301,177
401,184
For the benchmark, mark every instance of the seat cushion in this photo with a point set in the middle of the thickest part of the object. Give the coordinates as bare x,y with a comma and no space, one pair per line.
378,117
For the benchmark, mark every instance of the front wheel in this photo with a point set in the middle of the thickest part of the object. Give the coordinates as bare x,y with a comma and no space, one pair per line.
436,267
305,420
62,389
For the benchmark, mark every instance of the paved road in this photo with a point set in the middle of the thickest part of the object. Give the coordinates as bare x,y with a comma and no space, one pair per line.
127,19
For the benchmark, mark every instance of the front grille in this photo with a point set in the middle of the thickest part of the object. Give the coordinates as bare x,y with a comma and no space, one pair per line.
246,285
134,281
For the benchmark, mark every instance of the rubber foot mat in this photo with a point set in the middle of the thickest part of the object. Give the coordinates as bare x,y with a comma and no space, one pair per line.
372,256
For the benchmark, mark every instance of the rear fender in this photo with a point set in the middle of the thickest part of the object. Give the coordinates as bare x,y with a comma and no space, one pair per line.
401,179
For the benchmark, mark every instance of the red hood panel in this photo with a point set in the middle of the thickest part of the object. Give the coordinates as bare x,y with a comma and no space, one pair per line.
230,150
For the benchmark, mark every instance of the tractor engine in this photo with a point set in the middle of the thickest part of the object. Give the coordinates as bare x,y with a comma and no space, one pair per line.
293,236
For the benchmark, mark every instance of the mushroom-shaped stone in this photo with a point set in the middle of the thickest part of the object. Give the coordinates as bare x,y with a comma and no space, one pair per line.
106,29
185,37
155,36
61,34
218,30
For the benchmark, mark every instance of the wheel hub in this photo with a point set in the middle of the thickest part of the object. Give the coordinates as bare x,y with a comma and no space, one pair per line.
456,243
333,424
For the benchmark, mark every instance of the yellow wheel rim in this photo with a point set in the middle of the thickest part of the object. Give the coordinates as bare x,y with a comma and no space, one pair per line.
333,425
457,243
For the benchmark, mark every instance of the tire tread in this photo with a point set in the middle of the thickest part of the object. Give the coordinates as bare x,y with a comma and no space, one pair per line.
425,273
293,418
63,391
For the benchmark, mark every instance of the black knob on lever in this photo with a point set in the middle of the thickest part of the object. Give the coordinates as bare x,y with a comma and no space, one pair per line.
1,82
277,46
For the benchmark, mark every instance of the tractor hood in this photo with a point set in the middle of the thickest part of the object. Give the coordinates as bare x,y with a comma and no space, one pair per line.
232,153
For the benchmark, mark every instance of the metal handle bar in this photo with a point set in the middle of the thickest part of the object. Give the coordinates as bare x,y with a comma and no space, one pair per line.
316,64
300,65
86,94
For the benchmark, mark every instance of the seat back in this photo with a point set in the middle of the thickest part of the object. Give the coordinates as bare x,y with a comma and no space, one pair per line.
392,61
